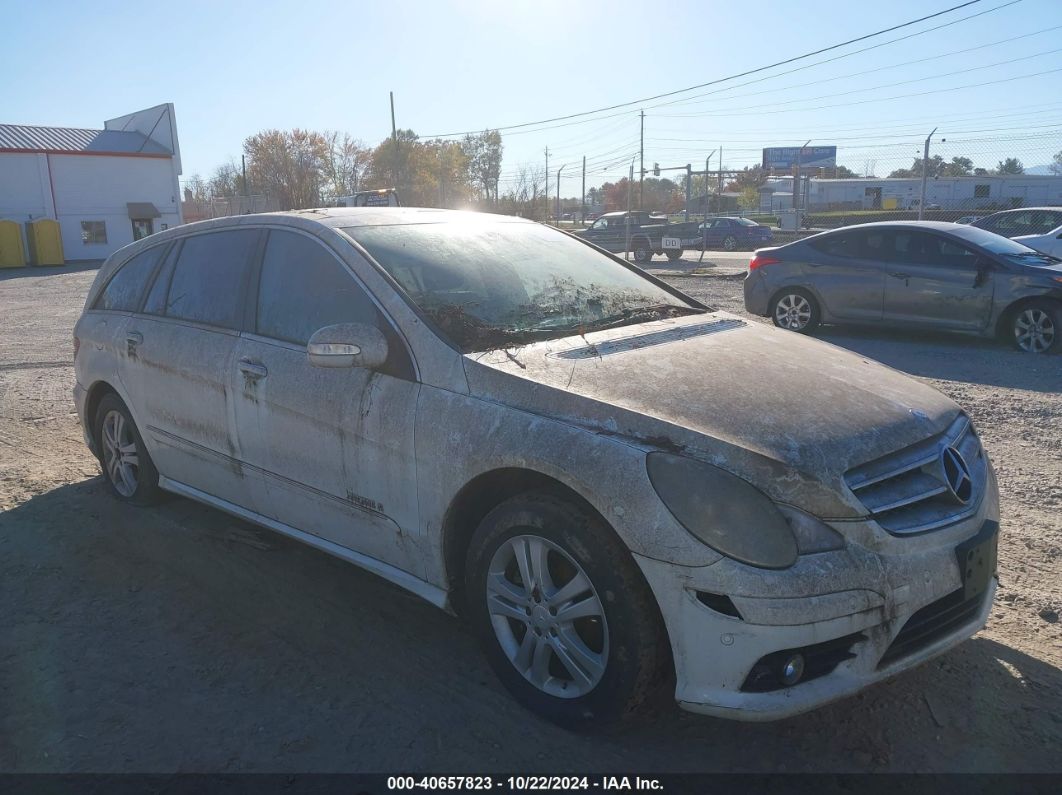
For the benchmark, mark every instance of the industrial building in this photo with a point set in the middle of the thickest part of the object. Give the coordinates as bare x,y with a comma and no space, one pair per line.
986,193
106,187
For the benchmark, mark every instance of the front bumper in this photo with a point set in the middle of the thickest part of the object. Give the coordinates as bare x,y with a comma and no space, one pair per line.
854,594
81,404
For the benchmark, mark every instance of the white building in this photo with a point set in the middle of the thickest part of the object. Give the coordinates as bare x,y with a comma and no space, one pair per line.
106,187
985,193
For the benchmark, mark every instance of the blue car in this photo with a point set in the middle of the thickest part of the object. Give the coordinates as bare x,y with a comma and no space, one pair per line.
730,234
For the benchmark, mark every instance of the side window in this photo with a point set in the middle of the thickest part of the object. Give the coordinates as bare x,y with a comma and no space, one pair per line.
125,288
210,278
304,288
877,245
155,303
843,245
951,253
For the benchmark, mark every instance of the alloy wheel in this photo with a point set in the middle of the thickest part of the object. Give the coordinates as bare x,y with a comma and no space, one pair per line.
793,312
120,459
1034,330
729,244
547,616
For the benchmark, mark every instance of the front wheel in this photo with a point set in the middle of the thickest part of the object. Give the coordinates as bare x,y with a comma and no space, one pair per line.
730,243
564,617
642,252
795,310
674,254
1037,328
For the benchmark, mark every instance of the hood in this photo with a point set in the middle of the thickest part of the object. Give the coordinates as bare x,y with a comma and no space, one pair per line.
789,413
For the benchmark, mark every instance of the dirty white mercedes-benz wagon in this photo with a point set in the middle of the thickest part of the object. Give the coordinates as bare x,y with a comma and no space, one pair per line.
616,486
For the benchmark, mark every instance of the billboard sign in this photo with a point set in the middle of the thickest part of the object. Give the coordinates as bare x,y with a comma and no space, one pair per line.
784,158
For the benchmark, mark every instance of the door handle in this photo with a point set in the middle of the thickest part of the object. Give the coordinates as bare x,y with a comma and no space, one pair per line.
134,338
253,369
900,275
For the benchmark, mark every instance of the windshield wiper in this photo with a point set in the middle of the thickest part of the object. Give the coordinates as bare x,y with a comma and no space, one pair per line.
635,314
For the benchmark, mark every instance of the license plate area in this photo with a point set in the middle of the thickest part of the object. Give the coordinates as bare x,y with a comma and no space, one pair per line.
977,559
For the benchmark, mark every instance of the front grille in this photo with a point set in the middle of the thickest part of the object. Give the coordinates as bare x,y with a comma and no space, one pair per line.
936,620
926,486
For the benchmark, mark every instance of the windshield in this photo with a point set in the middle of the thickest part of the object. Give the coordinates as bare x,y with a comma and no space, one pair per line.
746,222
493,282
997,244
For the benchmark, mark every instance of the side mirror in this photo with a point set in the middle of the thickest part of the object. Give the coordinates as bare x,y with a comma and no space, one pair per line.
347,345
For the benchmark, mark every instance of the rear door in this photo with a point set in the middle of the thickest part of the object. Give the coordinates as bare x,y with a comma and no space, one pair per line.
334,446
935,282
180,355
847,270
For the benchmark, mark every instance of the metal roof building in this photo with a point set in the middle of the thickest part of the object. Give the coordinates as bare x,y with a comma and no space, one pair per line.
106,187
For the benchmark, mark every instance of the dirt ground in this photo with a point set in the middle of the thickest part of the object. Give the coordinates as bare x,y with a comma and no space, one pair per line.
177,639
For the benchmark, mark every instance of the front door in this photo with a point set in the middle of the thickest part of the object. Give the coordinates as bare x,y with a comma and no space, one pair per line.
935,282
334,447
142,227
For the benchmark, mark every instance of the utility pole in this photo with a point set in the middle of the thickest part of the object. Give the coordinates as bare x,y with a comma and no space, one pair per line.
627,223
796,178
925,171
641,162
704,226
246,193
689,179
394,142
582,203
547,185
559,170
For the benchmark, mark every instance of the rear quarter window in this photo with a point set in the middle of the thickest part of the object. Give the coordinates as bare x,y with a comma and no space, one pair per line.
126,286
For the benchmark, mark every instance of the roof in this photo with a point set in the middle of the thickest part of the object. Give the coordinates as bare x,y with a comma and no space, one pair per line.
73,140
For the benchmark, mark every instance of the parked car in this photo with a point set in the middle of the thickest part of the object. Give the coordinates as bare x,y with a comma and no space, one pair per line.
968,219
730,234
533,433
912,274
1036,227
1023,221
645,235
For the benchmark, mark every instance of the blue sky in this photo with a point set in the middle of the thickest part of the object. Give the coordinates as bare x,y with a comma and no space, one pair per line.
234,68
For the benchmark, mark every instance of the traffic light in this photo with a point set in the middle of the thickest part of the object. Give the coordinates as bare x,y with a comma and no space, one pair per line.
656,169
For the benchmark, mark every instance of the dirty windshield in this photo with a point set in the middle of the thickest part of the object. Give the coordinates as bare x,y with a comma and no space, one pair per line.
494,283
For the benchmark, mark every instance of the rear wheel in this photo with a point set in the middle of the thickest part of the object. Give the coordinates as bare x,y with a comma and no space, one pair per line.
795,310
674,254
642,252
730,243
1037,327
127,467
563,615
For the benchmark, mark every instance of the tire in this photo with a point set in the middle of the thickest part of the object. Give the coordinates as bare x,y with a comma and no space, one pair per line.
1036,327
730,243
133,478
674,254
618,645
642,252
795,309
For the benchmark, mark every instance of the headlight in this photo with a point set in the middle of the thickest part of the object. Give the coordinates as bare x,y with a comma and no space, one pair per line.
812,535
724,511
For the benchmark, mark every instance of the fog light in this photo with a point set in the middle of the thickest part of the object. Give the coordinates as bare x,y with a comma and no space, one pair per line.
792,670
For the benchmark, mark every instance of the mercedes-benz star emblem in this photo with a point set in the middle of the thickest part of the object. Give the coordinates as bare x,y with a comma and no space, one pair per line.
956,474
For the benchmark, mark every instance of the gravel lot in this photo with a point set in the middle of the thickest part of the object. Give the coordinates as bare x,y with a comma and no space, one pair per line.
178,639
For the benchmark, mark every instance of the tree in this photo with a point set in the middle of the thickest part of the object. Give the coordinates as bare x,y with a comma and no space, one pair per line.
345,162
1011,165
226,181
934,166
1056,163
484,155
197,187
523,198
958,167
289,166
749,199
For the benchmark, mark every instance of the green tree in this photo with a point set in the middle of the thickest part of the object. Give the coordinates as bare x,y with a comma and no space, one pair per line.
749,199
484,155
1056,163
1011,165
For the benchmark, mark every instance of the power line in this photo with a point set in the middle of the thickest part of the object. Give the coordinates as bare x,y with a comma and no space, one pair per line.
718,80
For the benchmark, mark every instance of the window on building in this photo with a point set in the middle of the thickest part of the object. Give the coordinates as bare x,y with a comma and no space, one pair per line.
93,232
981,191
